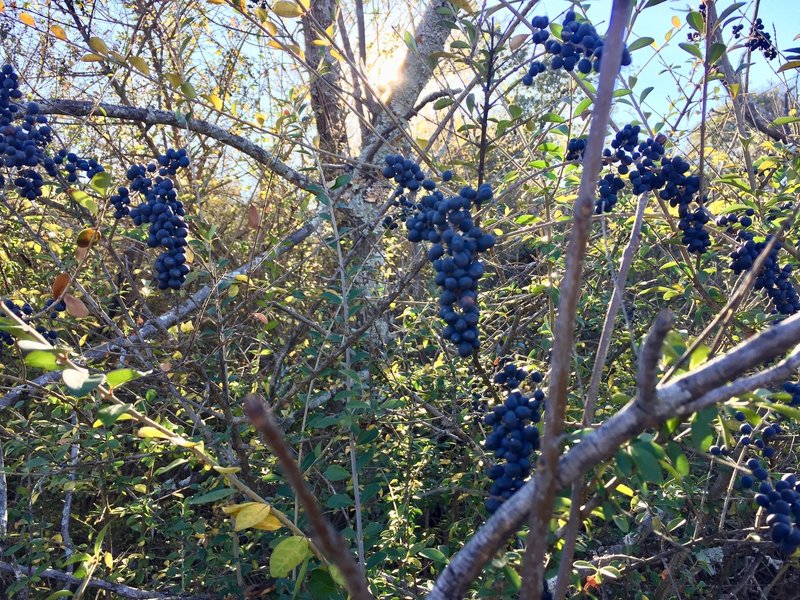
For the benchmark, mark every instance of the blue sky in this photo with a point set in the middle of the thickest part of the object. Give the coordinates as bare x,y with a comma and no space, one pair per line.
669,69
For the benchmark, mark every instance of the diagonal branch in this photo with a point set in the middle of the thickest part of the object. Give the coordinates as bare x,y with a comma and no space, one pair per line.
532,566
171,317
330,542
151,116
706,386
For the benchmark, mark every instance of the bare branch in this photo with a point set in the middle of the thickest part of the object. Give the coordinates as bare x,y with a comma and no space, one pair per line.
703,387
330,542
560,362
119,589
150,116
649,356
171,317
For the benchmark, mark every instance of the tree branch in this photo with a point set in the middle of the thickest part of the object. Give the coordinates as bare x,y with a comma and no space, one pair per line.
119,589
560,362
330,542
150,116
704,387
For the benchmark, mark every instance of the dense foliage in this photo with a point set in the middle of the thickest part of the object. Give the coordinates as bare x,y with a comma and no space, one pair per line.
384,264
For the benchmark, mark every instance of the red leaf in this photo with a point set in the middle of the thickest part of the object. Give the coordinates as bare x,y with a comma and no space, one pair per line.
75,307
60,284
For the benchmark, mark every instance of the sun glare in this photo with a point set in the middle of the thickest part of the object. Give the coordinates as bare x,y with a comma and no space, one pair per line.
384,73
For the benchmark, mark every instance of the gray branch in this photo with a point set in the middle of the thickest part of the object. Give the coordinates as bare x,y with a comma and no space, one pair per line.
169,318
120,590
709,384
151,116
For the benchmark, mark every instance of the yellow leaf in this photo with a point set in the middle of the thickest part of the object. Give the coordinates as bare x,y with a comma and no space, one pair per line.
233,291
234,509
117,56
140,487
98,45
174,79
108,559
676,22
92,58
227,470
215,100
58,32
337,55
88,237
271,523
2,7
306,4
274,44
151,432
250,516
216,1
465,5
260,118
140,64
286,9
27,19
320,43
271,28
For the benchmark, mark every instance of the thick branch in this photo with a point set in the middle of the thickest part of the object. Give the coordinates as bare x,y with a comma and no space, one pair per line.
150,116
415,72
120,590
693,391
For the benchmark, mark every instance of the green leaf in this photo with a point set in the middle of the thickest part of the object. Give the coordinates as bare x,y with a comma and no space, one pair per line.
434,554
80,382
784,121
642,42
691,49
28,345
699,356
408,37
101,182
645,93
289,553
702,432
442,103
696,21
108,415
646,461
59,594
212,496
337,473
341,181
119,376
715,52
339,501
724,13
188,90
43,359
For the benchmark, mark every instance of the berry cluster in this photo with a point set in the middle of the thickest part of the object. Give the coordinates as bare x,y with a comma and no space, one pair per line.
22,146
455,244
649,170
775,280
575,149
760,39
782,504
25,311
72,165
781,499
731,219
162,210
580,47
514,435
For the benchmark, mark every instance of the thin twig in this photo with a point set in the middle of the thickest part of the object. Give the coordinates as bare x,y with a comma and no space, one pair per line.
330,542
